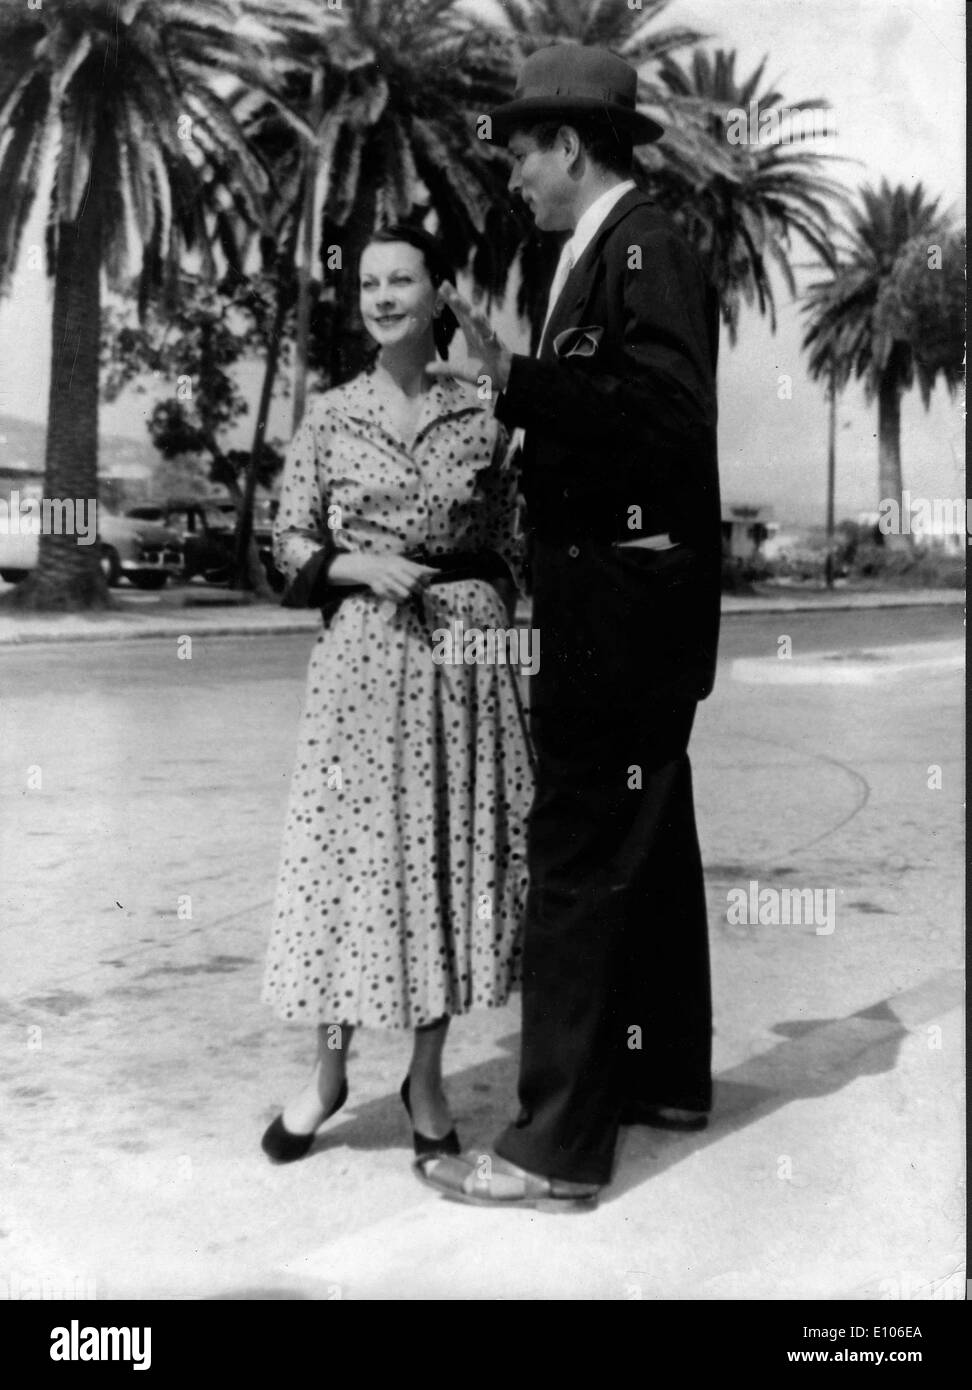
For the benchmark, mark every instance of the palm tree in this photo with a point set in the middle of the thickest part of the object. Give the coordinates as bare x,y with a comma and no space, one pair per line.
400,86
628,31
111,108
633,35
892,312
740,203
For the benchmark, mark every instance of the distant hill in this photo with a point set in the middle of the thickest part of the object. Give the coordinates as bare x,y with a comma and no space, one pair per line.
22,449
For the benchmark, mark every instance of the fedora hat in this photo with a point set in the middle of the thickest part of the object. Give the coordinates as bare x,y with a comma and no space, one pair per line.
569,79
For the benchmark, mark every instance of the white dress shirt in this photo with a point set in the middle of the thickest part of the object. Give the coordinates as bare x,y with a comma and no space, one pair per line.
574,247
590,221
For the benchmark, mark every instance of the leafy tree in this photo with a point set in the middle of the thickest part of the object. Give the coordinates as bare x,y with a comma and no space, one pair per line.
111,110
743,203
195,349
628,30
400,86
892,312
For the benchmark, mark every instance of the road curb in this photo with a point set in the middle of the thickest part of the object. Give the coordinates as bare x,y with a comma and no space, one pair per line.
905,598
858,667
278,622
174,627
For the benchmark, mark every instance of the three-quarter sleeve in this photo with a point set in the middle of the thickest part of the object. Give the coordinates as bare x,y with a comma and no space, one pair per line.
303,543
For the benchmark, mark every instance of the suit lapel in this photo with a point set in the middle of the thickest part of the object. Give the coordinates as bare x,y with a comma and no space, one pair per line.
569,309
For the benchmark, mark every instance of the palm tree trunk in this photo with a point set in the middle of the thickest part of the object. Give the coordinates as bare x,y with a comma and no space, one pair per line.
249,570
831,477
889,455
68,575
305,232
352,347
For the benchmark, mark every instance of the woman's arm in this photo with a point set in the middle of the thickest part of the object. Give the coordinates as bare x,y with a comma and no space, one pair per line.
303,540
303,544
387,576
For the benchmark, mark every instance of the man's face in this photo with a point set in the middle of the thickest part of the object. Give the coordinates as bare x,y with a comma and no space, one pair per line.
542,180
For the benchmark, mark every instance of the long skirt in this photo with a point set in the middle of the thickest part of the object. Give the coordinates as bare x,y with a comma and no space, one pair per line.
403,879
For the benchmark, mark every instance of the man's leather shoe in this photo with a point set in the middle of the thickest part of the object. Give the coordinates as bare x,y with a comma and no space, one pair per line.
637,1112
486,1180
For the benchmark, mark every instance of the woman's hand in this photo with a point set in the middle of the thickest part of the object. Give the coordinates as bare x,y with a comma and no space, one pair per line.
387,576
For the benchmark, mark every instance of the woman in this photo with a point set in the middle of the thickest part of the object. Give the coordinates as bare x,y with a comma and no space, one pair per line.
404,870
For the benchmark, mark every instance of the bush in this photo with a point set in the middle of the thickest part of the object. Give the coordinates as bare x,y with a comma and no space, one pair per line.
908,569
739,576
802,565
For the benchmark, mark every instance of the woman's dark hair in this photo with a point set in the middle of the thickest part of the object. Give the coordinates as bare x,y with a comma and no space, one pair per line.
439,266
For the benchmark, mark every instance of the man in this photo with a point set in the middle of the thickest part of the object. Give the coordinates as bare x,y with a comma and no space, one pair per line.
618,410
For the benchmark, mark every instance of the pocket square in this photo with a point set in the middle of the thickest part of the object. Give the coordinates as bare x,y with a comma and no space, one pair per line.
578,342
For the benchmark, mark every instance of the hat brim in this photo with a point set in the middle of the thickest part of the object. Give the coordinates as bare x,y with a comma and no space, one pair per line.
528,110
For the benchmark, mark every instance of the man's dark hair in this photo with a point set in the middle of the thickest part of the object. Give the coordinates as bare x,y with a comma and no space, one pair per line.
604,143
437,263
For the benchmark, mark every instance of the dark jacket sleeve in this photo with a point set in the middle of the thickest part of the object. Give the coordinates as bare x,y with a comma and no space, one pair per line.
657,390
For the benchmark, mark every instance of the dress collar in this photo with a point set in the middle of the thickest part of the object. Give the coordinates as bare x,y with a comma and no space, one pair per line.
445,397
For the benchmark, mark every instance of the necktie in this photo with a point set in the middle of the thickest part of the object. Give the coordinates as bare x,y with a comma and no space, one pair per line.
564,266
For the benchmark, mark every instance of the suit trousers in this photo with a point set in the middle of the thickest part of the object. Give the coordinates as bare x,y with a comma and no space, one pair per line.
616,987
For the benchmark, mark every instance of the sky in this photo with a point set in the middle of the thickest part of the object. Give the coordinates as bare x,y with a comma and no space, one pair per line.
894,75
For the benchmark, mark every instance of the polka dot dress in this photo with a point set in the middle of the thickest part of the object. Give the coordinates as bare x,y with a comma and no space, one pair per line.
403,875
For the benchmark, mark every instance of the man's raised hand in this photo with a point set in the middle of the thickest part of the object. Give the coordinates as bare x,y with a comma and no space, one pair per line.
487,356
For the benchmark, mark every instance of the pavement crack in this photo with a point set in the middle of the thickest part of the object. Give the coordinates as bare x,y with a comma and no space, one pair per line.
862,784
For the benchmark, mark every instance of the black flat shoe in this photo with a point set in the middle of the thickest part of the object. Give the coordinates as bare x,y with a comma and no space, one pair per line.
638,1112
282,1146
423,1145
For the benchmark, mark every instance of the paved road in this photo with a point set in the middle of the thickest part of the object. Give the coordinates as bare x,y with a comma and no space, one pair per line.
140,1067
42,667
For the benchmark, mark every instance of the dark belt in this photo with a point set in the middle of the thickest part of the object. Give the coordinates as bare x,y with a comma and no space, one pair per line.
452,567
464,564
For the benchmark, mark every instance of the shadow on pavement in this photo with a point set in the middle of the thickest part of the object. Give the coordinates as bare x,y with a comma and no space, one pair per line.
815,1057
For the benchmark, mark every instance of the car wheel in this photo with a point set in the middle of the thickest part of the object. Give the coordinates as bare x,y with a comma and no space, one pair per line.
13,576
110,564
149,579
220,574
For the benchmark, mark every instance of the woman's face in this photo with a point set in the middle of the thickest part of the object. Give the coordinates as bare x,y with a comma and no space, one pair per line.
398,299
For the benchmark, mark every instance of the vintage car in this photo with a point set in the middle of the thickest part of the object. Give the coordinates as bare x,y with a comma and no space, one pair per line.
144,553
207,529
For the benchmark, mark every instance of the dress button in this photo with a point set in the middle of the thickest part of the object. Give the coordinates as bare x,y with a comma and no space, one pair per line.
573,552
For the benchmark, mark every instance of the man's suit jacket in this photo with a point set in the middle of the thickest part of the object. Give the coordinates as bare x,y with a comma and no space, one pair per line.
620,418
